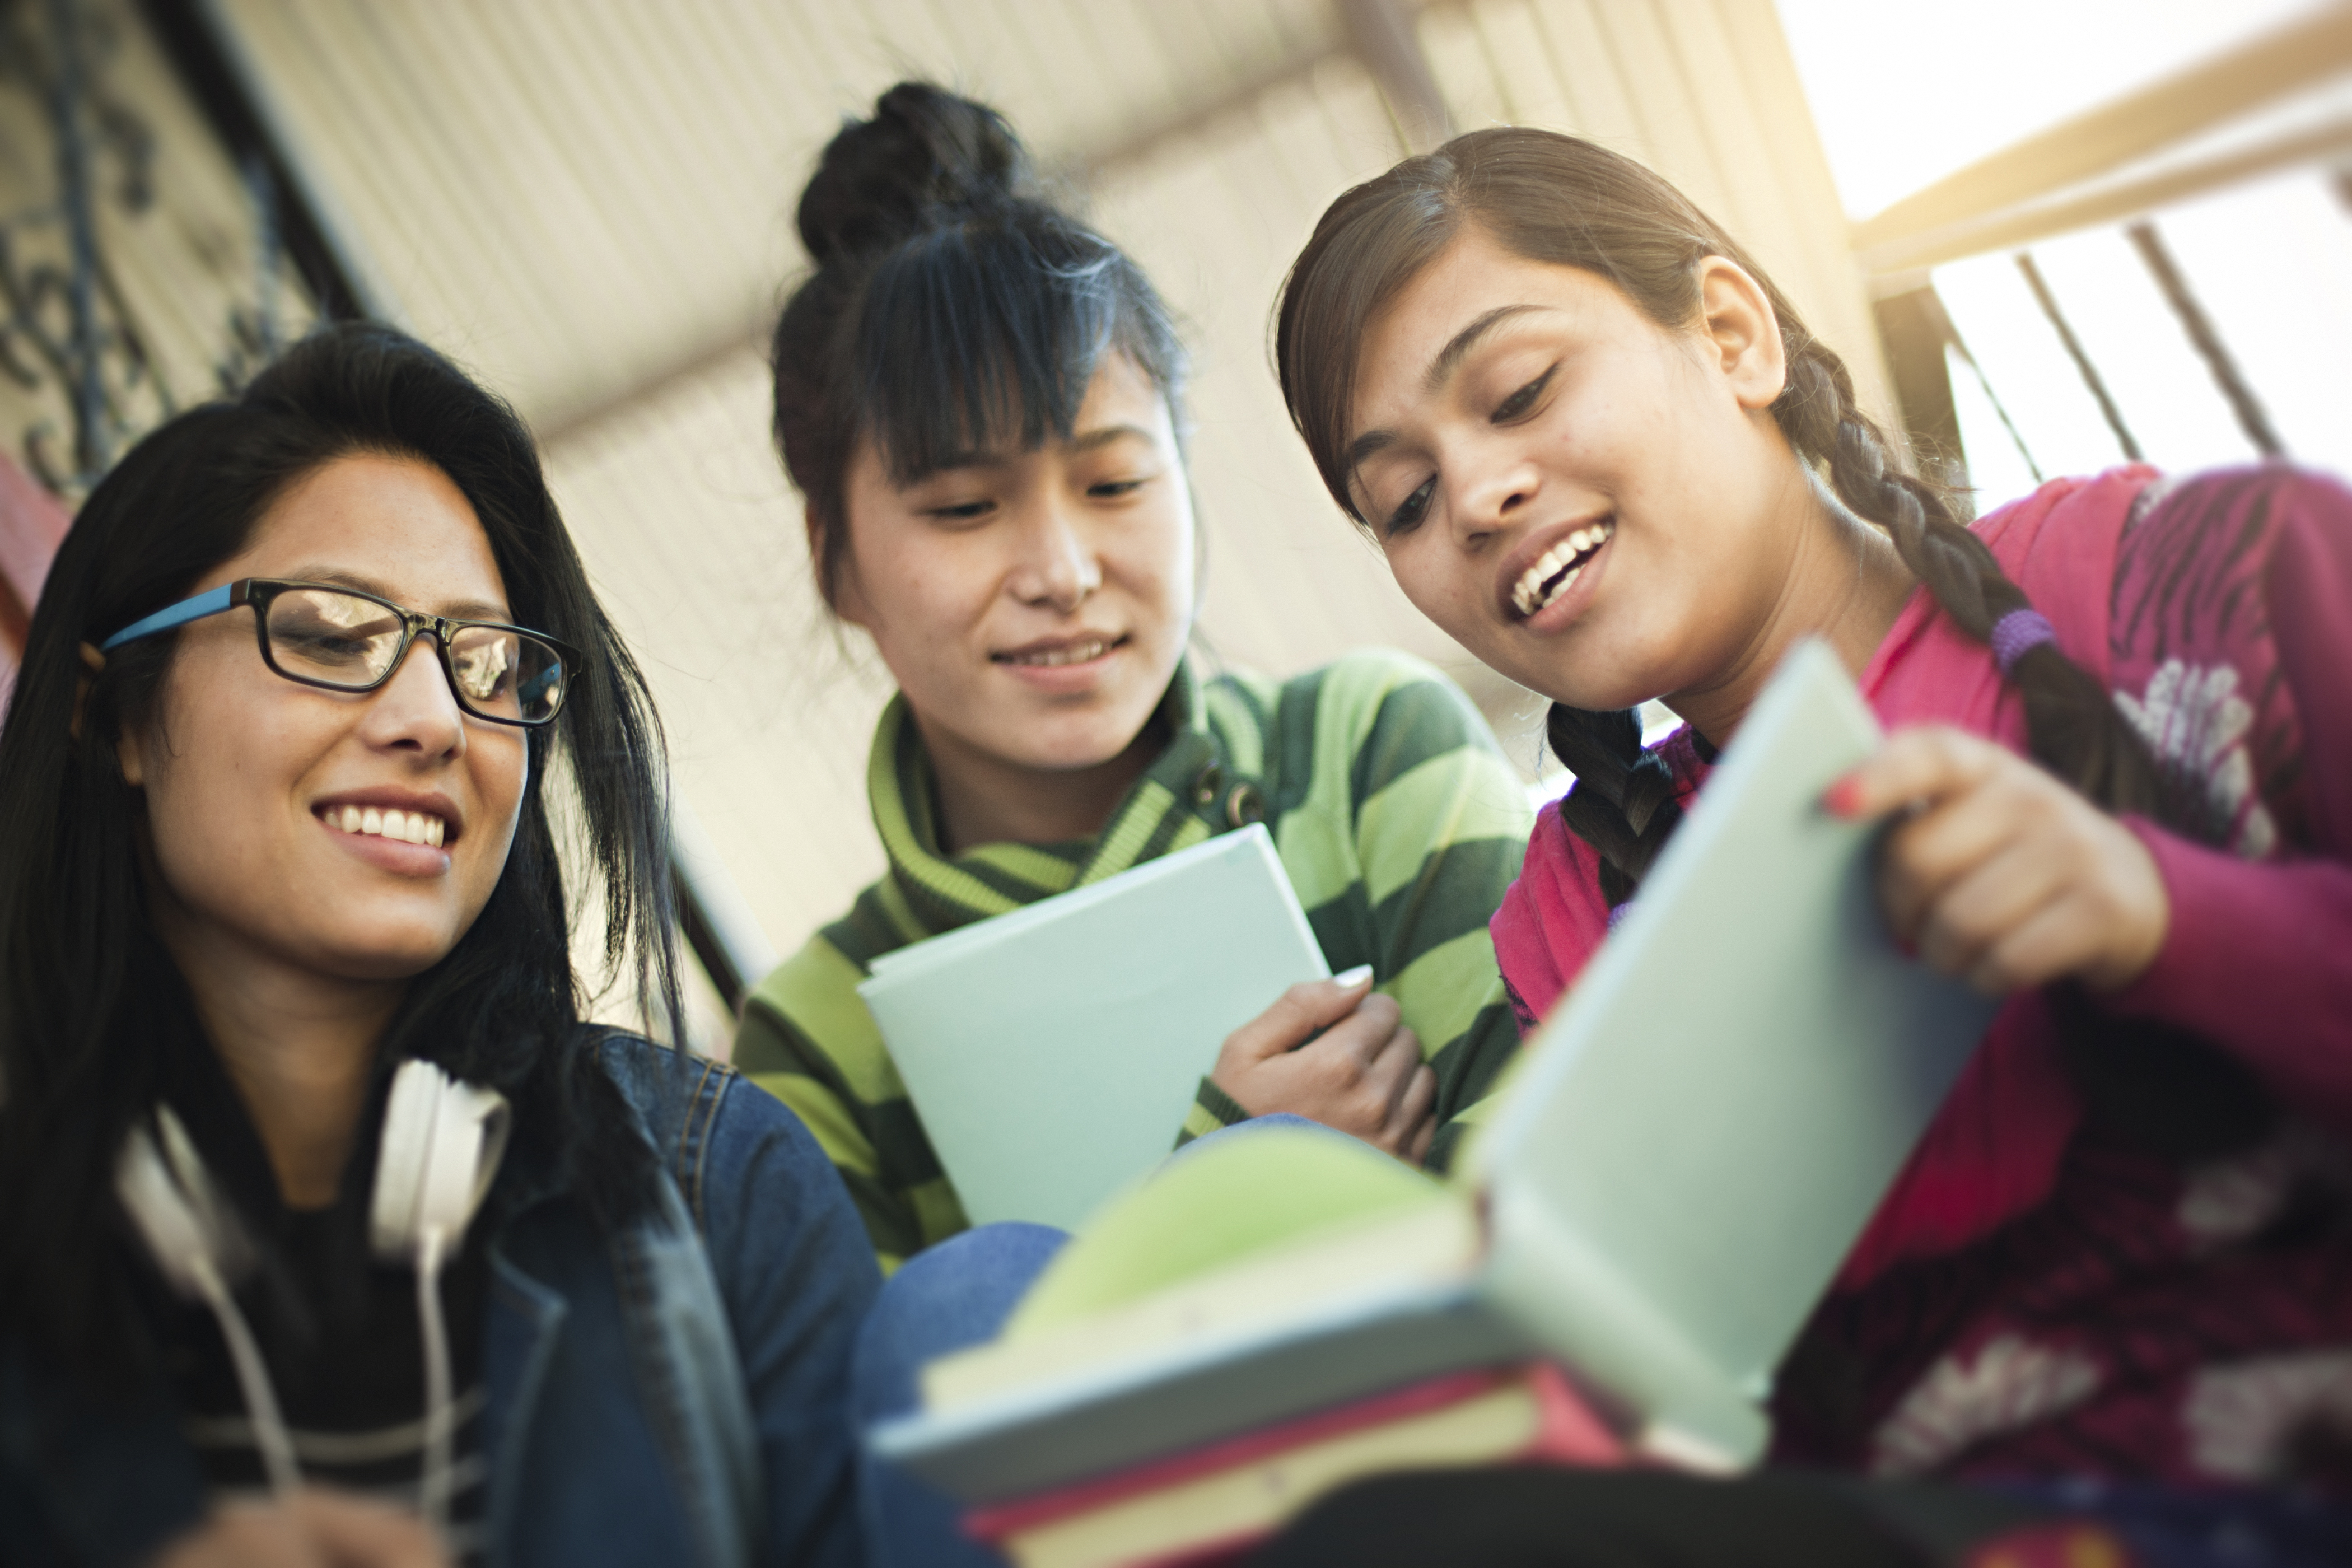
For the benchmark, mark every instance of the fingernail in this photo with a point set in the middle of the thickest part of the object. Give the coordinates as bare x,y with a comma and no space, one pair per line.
1844,798
1360,975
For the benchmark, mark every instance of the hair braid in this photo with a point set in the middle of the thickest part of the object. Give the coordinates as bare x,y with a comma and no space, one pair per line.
2072,728
1623,801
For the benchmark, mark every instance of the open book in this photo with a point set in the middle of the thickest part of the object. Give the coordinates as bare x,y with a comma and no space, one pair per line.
1054,1051
1685,1154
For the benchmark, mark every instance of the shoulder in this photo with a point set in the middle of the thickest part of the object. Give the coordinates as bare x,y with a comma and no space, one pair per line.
714,1129
1553,917
805,1014
1386,699
2233,520
1350,731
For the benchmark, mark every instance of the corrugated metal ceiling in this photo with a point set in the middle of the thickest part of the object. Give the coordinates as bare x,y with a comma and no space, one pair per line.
589,202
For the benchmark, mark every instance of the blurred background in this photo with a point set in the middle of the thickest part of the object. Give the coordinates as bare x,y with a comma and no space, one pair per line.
2048,236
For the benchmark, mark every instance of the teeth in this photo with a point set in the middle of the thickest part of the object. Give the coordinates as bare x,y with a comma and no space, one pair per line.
1528,594
1076,652
408,827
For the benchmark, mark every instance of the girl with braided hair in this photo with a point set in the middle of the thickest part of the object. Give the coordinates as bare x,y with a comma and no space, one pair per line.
1599,447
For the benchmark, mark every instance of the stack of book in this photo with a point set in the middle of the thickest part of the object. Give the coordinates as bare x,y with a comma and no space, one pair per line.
1213,1504
1656,1202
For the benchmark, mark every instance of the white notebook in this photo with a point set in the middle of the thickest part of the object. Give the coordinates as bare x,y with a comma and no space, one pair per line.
1053,1052
1698,1134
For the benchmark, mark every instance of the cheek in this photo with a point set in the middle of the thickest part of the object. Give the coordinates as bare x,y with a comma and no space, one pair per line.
1440,583
918,599
1153,556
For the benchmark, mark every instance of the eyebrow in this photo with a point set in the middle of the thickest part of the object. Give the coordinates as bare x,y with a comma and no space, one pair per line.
454,610
1089,441
1446,361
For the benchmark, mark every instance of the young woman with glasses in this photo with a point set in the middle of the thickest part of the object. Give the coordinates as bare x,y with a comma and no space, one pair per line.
329,1232
980,400
1598,446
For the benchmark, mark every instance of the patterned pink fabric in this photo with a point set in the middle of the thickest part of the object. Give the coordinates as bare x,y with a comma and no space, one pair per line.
2030,1299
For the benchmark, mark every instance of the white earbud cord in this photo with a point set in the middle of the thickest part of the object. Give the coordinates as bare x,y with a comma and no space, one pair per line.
269,1434
440,1412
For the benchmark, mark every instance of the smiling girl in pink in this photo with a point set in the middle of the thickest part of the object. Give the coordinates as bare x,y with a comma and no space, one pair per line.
1599,449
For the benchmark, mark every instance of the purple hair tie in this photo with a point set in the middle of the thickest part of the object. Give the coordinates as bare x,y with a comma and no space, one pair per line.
2017,633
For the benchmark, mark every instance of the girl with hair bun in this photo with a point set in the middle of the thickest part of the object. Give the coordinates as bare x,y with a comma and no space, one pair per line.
1598,446
981,401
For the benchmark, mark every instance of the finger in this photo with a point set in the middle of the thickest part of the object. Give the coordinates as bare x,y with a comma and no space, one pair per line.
241,1535
1418,1151
352,1532
1922,764
1991,900
1925,855
1386,1080
1357,1040
2058,940
1297,1013
1413,1114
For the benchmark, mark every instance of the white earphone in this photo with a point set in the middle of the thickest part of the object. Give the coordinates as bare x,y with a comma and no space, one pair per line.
441,1146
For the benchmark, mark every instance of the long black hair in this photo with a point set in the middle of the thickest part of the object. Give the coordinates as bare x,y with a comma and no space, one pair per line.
954,307
85,992
1559,199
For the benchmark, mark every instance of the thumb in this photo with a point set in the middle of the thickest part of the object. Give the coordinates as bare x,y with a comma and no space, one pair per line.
1299,1012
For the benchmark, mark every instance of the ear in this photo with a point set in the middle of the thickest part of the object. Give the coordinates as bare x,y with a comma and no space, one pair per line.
127,756
1738,320
93,666
846,600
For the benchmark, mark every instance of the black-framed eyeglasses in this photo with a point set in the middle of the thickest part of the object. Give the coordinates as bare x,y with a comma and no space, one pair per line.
345,640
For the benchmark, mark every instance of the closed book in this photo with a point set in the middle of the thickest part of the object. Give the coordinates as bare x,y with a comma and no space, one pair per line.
1054,1051
1204,1506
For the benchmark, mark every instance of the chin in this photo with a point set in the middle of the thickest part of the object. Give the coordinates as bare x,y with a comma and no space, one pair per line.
381,956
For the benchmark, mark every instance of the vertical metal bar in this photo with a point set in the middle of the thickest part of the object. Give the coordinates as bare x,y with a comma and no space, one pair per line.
2342,181
2252,418
1386,36
92,448
264,192
2090,373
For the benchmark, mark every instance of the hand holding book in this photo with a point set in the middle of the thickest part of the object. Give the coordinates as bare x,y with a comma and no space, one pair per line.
1336,1052
2001,875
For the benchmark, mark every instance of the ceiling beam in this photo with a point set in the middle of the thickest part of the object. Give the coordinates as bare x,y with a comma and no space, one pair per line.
2031,224
2137,126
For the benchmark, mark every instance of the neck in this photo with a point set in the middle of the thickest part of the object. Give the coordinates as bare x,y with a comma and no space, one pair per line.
985,799
300,1047
1844,583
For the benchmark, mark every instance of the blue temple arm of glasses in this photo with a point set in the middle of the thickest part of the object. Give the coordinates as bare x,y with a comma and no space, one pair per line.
211,602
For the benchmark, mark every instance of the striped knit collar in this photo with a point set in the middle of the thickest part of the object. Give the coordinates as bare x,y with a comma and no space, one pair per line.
1178,801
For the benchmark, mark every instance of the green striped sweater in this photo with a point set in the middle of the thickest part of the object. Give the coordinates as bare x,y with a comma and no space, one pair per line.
1395,815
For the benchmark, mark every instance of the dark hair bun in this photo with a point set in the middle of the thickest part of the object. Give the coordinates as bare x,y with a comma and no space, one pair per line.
884,179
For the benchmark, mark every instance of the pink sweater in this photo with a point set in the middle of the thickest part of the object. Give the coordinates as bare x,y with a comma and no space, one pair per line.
2037,1296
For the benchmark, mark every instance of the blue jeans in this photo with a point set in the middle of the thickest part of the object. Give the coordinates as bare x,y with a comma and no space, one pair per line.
945,1298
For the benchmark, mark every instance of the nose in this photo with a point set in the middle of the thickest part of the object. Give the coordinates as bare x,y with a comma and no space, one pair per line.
1056,565
416,710
1497,487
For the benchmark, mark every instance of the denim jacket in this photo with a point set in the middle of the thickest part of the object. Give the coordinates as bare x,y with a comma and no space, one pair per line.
673,1393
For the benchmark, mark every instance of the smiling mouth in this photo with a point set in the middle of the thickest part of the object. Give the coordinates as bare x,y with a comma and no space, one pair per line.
1555,572
373,822
1060,653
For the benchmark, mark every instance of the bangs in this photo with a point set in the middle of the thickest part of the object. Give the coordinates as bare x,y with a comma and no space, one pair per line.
981,338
